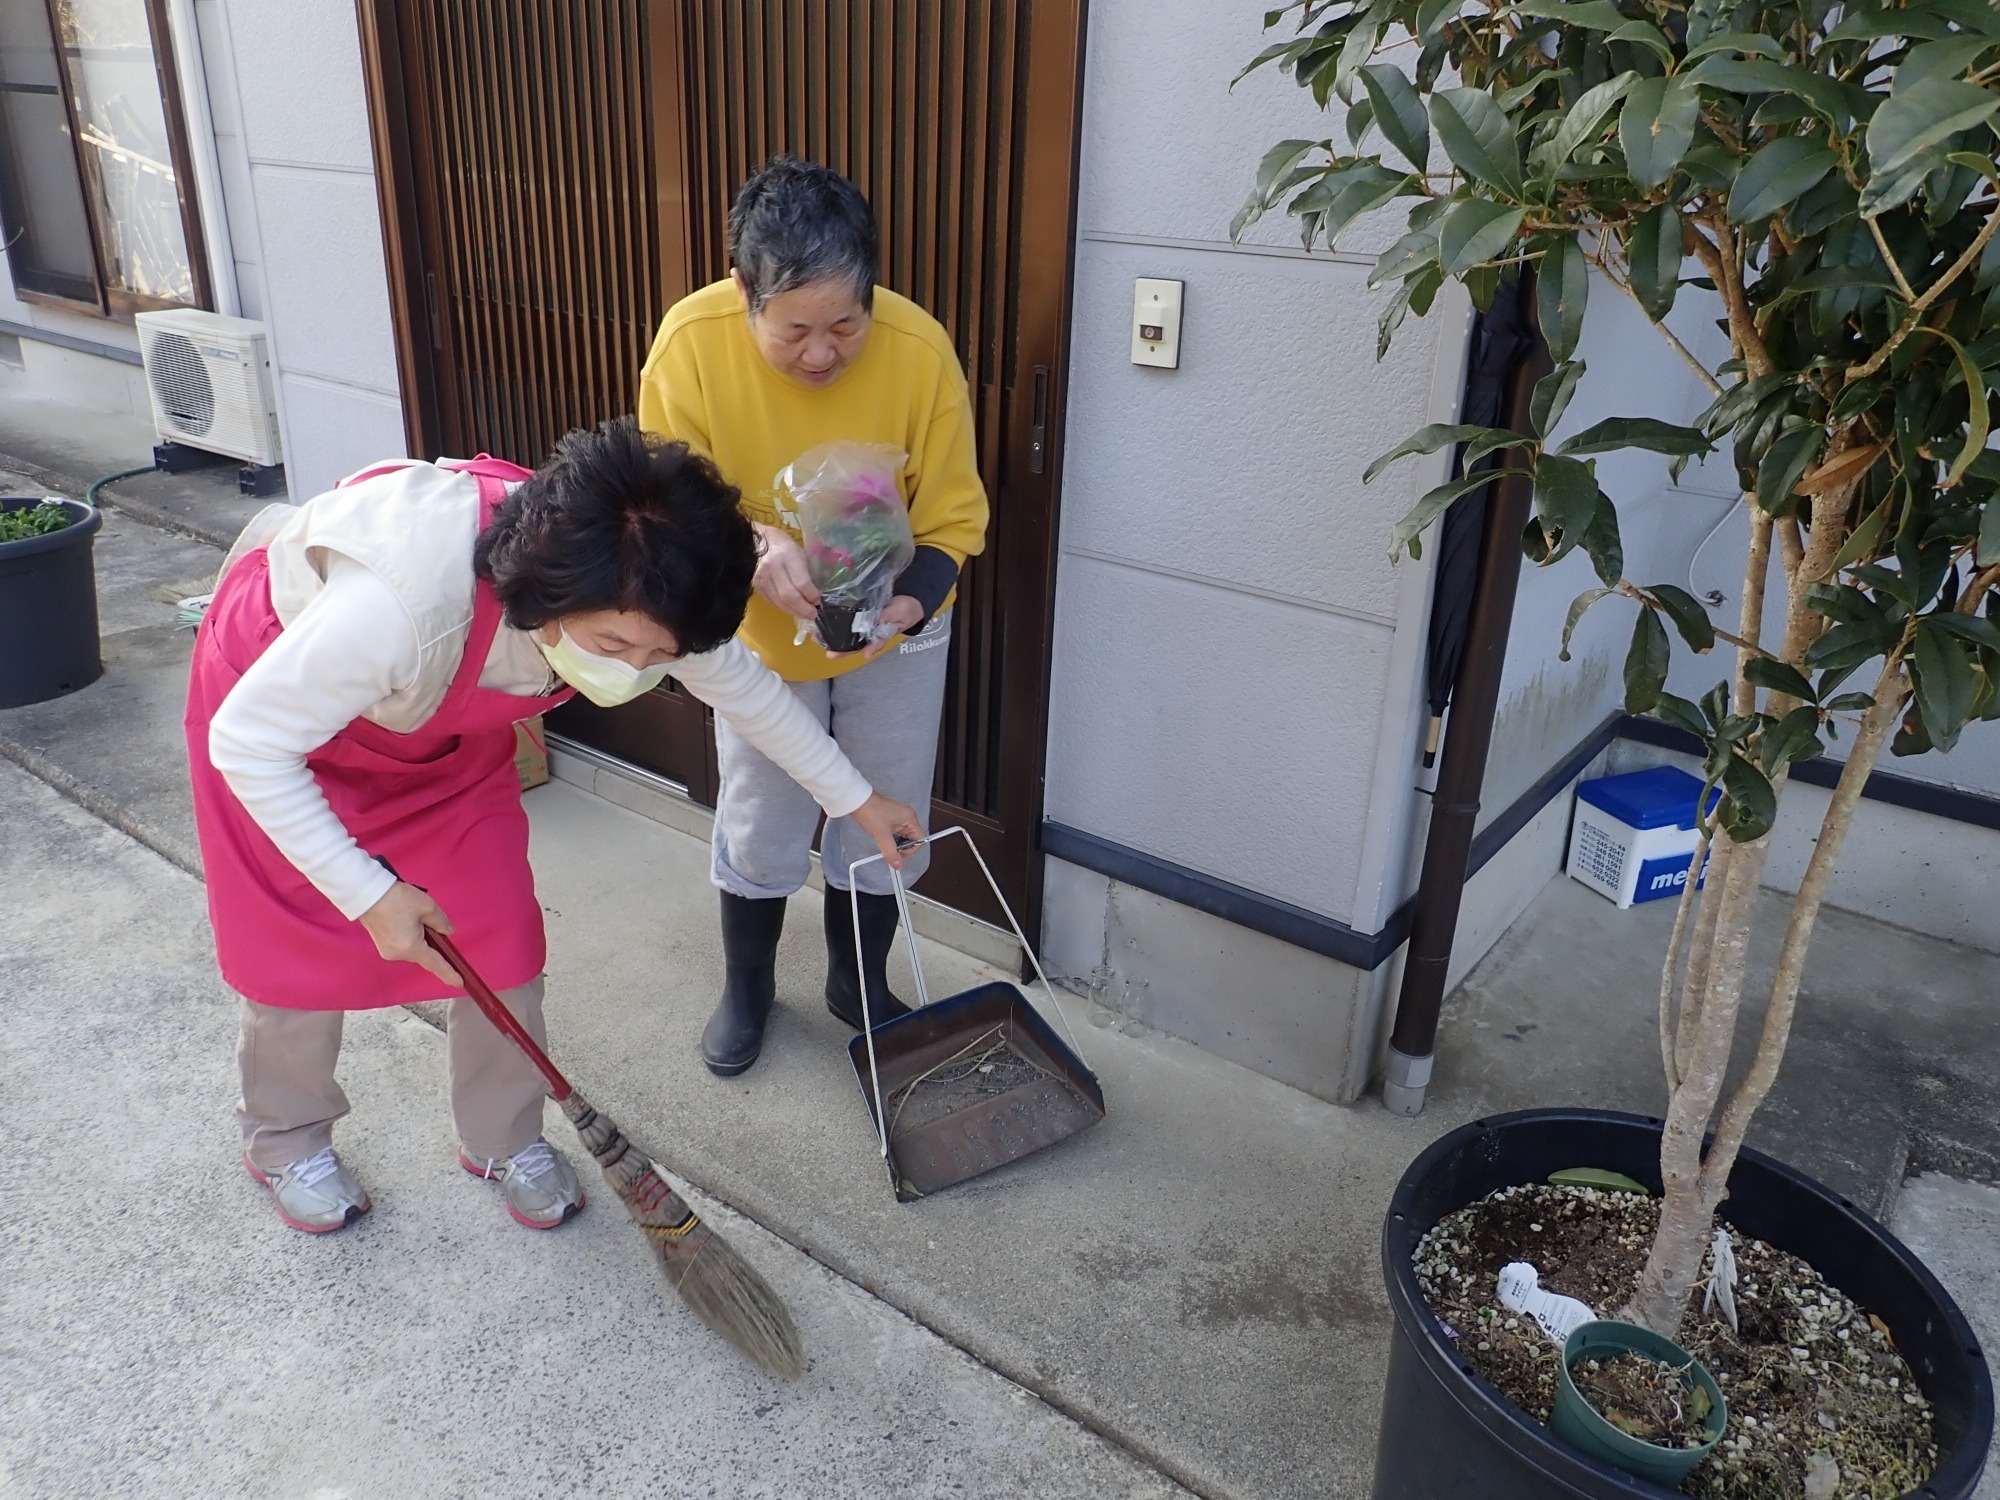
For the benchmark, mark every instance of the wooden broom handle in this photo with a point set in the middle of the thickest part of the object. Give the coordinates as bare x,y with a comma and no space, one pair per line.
497,1012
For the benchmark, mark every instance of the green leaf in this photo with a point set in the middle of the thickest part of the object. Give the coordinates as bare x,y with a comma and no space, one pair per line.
1849,703
1683,715
1944,682
1277,163
1577,608
1656,127
1785,463
1776,175
1409,531
1432,16
1755,75
1793,738
1945,59
1654,257
1988,551
1478,137
1474,232
1598,1177
1751,42
1602,543
1439,435
1751,806
1913,120
1861,541
1779,677
1562,286
1592,15
1586,117
1686,611
1616,433
1399,113
1887,190
1565,495
1647,35
1406,257
1974,628
1978,421
1646,663
1551,396
1364,188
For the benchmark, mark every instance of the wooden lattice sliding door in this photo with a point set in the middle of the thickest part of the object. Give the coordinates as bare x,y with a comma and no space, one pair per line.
556,172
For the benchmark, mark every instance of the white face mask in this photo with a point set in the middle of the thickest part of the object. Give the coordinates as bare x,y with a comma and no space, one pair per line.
604,680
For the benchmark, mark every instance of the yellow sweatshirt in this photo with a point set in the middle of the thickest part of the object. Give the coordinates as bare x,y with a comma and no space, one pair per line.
706,384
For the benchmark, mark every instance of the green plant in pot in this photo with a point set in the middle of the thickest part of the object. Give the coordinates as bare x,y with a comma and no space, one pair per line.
1825,175
48,598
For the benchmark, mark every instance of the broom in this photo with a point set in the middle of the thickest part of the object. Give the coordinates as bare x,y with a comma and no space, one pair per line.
723,1288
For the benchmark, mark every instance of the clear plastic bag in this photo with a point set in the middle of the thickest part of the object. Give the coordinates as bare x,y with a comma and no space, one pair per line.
855,528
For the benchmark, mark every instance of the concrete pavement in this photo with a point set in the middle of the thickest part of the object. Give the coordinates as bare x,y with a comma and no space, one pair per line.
165,1335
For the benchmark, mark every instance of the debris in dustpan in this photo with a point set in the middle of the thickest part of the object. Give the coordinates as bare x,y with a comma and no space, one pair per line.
985,1068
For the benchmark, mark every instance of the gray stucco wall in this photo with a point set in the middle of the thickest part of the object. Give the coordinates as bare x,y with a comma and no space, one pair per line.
1228,689
291,123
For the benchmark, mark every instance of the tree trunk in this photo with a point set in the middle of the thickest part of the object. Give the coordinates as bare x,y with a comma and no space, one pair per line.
1689,1207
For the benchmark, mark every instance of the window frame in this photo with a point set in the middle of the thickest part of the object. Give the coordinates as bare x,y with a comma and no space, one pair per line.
112,302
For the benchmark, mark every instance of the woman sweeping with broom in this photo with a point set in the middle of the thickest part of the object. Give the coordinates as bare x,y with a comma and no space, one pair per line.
350,732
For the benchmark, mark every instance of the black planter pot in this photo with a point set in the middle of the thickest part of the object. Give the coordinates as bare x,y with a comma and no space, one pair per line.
48,608
836,627
1447,1434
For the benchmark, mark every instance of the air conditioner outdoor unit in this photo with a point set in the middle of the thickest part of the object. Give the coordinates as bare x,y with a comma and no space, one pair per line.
210,377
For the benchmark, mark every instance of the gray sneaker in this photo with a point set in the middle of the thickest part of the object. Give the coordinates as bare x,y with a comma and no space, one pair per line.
315,1193
542,1190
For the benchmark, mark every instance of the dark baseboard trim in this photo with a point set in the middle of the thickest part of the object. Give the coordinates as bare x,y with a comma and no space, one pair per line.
70,341
1370,950
1883,786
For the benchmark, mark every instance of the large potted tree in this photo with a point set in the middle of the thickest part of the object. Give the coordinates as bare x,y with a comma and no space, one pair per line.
1825,171
48,598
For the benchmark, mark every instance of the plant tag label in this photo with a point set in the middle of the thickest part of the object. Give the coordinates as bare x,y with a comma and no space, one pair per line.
1521,1291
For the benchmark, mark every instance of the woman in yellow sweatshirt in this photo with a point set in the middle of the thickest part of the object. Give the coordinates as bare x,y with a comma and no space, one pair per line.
798,348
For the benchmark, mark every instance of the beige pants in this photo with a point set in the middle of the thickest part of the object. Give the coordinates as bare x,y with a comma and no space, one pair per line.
290,1099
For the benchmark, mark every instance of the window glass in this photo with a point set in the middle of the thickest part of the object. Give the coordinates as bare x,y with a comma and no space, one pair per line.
127,158
41,202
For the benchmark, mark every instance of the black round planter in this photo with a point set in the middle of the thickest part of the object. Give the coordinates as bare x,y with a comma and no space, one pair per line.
836,627
48,608
1447,1434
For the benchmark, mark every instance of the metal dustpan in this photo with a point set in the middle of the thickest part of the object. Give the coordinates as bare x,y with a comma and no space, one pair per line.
972,1081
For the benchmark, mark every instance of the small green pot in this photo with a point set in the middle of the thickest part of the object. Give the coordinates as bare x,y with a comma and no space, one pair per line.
1579,1424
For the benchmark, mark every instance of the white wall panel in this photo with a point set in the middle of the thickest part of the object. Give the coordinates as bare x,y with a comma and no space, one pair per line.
336,430
1215,729
325,281
298,73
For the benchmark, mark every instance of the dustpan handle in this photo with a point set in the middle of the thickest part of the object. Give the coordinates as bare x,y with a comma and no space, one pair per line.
917,964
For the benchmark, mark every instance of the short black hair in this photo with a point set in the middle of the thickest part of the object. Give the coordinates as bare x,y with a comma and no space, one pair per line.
797,222
619,519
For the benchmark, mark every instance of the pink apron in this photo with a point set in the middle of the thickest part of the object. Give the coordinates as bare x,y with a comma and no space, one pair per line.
442,804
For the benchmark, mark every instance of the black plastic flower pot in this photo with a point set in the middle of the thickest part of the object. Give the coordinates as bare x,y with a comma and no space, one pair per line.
48,608
1448,1434
836,627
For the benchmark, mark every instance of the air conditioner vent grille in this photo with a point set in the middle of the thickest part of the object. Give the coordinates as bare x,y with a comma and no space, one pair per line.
181,384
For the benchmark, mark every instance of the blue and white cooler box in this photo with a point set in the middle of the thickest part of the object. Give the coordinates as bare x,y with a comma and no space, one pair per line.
1635,834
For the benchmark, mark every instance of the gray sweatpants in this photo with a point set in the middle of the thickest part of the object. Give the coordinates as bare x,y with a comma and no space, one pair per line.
884,717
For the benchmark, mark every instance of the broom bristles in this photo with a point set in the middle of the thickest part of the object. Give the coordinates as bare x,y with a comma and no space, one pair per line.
722,1287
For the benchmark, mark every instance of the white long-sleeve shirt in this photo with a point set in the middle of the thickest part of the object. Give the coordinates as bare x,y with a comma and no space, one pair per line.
354,645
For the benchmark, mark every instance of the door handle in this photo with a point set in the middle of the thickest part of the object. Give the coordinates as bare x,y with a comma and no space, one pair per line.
1038,423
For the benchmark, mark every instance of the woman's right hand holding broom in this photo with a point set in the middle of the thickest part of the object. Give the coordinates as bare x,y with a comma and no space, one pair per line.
397,923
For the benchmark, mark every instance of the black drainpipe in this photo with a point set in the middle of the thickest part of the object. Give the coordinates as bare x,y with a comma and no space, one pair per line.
1506,336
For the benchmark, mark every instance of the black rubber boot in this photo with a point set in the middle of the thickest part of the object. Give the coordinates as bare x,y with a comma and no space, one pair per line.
878,931
735,1033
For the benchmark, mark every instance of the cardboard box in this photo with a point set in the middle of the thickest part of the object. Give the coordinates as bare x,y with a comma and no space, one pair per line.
531,753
